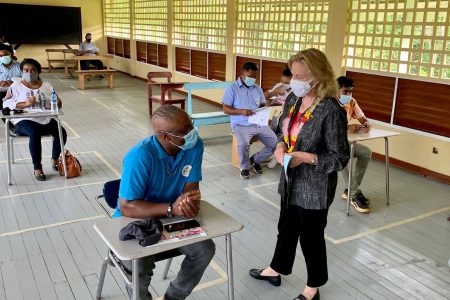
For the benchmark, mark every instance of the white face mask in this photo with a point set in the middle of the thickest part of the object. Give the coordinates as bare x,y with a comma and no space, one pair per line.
301,88
286,86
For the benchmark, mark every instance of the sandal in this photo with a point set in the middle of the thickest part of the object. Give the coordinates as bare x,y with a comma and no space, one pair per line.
40,177
55,166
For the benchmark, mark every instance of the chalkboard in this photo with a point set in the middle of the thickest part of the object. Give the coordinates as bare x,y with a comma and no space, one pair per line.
39,24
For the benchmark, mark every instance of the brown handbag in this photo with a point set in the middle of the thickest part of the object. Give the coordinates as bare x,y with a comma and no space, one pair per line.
72,163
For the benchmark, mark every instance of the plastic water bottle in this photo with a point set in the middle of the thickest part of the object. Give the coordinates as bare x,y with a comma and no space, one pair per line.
54,100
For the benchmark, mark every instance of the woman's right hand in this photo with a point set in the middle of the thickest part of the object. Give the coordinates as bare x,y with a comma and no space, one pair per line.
279,152
30,101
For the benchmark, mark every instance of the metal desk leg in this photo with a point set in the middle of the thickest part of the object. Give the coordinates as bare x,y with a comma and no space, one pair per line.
135,283
8,150
229,251
61,142
386,156
350,176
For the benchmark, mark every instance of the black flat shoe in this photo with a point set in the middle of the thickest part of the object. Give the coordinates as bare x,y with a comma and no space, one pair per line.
40,177
273,280
301,297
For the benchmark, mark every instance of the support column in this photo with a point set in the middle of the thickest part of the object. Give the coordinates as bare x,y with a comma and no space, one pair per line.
231,28
337,27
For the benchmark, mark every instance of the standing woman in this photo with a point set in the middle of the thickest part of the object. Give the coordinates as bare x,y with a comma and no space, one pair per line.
314,128
27,94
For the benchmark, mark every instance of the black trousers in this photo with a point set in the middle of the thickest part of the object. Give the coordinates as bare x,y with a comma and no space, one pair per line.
84,64
35,131
306,225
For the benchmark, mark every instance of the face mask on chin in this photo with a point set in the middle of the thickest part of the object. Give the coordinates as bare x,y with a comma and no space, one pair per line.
301,88
5,59
190,139
30,77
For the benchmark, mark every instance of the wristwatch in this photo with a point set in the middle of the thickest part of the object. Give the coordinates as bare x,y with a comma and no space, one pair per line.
169,210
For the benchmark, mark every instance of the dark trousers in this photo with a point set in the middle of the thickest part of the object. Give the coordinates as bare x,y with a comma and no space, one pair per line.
306,225
35,131
84,64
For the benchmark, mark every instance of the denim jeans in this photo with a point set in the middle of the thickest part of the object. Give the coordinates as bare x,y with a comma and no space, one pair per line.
35,131
362,154
197,259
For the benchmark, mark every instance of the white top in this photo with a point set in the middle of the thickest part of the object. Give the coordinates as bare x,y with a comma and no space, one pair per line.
19,93
374,133
84,46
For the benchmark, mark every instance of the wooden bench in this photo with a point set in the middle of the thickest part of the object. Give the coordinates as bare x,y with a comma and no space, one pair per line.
107,73
209,118
68,62
235,162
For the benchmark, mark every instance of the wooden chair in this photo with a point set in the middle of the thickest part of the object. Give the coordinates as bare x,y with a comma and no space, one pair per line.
166,87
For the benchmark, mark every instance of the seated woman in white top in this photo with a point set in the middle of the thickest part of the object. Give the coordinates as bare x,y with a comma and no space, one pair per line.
26,94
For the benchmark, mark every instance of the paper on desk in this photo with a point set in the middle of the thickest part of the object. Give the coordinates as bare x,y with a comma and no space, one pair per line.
261,116
286,159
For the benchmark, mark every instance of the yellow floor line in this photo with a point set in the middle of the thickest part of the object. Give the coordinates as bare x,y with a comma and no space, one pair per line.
101,103
391,225
115,171
50,190
81,92
50,225
223,278
361,234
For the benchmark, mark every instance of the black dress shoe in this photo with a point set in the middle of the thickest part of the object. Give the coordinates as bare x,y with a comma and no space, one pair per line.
301,297
273,280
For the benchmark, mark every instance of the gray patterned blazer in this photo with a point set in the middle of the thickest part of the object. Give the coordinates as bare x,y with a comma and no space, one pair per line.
324,134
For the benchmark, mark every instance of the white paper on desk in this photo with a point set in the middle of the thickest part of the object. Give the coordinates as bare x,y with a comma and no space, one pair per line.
33,110
286,159
261,116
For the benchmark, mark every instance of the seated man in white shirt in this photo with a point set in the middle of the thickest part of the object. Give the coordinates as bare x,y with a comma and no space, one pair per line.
9,68
89,48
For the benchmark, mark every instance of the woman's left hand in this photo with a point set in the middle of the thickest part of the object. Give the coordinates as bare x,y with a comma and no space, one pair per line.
298,157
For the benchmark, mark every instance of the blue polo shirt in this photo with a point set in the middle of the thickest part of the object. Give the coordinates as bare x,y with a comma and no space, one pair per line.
150,174
240,96
13,71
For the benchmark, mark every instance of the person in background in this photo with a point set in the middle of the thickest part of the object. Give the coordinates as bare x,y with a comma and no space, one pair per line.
278,93
9,68
315,137
280,90
25,94
361,153
88,48
160,178
240,101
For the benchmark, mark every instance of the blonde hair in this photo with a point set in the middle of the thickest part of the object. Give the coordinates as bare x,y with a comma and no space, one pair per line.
320,68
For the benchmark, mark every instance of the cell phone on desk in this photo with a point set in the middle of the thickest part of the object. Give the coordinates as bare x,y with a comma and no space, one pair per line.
177,226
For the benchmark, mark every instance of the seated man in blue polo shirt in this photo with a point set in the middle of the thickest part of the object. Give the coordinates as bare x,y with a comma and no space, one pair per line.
160,178
240,100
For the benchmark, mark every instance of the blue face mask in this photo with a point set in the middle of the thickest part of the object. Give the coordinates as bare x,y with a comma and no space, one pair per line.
345,99
249,81
190,139
5,59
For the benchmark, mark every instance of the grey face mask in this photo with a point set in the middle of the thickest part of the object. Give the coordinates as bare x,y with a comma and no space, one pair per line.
30,77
